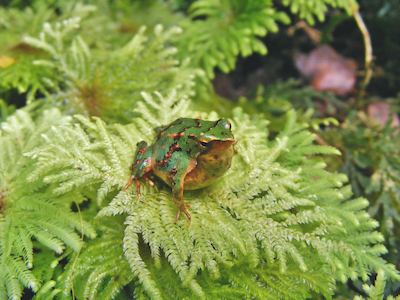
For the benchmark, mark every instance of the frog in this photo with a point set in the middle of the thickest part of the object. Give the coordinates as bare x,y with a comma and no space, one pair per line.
187,154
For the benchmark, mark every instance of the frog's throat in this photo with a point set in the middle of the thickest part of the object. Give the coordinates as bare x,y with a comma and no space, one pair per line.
209,167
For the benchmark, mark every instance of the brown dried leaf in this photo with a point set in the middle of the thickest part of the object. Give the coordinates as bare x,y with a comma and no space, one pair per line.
327,70
6,61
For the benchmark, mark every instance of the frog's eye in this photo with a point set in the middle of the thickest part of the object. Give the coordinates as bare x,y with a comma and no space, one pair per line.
225,123
204,144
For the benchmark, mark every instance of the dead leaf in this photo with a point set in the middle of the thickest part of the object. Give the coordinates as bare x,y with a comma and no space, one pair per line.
327,70
6,61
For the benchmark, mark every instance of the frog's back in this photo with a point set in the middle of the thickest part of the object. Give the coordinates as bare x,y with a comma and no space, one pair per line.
197,128
181,125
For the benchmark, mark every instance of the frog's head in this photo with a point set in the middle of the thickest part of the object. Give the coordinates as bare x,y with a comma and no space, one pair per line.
218,137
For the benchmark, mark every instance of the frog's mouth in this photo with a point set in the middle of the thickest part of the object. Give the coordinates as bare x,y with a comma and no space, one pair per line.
218,146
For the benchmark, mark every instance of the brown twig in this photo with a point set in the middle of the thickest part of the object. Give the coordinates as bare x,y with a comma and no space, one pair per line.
321,141
314,34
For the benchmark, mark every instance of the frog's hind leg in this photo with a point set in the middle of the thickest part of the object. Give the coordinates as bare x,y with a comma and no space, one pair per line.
178,186
180,204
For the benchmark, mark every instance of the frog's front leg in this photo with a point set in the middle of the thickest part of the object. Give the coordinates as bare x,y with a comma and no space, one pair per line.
141,167
131,179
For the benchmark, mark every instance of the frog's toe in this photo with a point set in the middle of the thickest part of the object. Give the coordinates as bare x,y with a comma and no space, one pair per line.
187,215
149,181
129,183
185,212
178,215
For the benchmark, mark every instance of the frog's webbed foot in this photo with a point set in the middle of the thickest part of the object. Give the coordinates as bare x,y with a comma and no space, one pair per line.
182,208
149,181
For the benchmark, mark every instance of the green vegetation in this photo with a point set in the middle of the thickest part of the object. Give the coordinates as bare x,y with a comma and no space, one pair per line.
293,218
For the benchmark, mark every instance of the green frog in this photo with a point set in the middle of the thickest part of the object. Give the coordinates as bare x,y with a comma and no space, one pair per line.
186,154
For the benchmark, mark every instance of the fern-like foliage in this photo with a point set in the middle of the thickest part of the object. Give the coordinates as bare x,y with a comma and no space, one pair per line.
372,162
276,226
24,76
375,152
318,8
230,28
275,100
102,265
110,85
30,211
376,291
5,110
218,31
